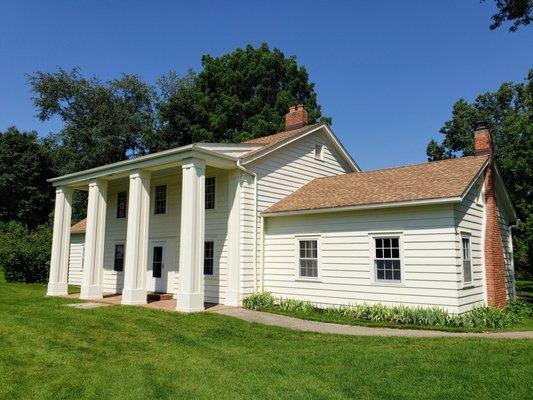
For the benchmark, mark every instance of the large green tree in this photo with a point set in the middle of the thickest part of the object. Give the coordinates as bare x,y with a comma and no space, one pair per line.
237,96
103,122
24,168
508,113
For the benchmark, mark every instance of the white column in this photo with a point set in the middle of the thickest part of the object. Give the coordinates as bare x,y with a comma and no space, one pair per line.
234,238
93,258
191,266
136,257
57,283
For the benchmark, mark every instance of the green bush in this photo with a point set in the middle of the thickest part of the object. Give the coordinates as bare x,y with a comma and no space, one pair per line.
295,305
24,254
258,301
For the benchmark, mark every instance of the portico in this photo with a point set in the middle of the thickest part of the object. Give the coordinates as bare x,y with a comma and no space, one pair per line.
183,226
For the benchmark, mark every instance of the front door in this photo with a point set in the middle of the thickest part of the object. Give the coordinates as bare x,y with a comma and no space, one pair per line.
158,267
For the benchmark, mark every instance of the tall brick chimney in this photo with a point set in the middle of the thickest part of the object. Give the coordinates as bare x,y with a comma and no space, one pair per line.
494,259
296,117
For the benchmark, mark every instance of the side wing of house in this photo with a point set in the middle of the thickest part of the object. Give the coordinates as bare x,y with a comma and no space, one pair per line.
75,260
279,174
470,222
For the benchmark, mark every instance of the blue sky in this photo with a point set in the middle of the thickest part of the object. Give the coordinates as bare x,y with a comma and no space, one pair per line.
387,72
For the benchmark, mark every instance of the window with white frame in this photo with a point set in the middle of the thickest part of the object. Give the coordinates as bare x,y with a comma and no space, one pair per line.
160,199
319,151
118,264
387,261
308,258
466,255
210,193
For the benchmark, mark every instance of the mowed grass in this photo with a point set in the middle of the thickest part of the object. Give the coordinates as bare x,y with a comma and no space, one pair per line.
52,351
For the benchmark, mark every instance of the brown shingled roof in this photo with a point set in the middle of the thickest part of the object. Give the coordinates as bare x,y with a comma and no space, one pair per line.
433,180
79,227
271,140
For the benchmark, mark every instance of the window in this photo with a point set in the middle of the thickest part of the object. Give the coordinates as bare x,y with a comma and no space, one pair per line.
122,199
387,259
210,193
319,151
467,260
160,199
308,258
209,253
119,258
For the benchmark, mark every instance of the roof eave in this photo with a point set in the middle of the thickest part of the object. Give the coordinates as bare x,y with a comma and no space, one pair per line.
408,203
149,161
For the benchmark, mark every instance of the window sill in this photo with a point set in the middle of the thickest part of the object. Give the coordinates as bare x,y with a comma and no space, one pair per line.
468,285
388,283
301,279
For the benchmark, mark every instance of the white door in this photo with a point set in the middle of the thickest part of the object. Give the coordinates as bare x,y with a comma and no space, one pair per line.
159,274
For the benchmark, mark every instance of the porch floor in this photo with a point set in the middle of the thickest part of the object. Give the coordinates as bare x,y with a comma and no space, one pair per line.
165,305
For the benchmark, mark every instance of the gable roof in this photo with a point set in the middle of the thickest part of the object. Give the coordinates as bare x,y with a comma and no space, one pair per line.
273,142
429,182
79,227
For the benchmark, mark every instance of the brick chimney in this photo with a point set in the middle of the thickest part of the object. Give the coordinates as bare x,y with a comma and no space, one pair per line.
493,246
296,117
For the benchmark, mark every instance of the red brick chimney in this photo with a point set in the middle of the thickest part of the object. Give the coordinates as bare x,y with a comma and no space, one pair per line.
494,259
296,117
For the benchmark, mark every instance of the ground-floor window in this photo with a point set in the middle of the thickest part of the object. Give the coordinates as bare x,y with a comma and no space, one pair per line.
308,258
466,256
387,262
209,257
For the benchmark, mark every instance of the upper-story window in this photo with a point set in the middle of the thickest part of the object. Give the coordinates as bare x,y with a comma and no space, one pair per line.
319,151
387,258
160,199
210,193
122,204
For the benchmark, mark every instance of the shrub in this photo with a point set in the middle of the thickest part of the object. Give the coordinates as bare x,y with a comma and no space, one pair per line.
24,254
480,317
295,305
258,301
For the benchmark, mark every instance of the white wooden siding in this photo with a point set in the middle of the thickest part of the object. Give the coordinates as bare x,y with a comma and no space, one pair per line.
429,262
279,174
75,261
469,220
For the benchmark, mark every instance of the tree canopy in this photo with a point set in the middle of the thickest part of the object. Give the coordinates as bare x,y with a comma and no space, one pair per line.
237,96
24,166
519,12
508,113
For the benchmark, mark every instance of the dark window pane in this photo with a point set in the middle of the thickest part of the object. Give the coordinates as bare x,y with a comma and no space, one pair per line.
395,253
379,243
394,242
379,253
388,274
397,275
386,242
209,253
386,253
119,258
210,193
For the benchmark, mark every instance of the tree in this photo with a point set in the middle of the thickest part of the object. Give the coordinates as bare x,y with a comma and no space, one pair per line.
519,11
508,113
103,122
237,96
24,168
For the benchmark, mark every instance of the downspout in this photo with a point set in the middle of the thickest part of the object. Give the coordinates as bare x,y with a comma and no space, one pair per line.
263,229
255,219
510,228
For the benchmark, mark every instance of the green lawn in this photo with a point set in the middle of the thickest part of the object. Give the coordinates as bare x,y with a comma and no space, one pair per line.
51,351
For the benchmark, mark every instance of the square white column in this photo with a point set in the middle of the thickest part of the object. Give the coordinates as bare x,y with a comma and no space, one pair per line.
136,257
93,258
234,238
191,262
57,283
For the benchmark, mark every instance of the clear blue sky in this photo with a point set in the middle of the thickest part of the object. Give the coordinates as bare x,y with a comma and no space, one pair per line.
387,72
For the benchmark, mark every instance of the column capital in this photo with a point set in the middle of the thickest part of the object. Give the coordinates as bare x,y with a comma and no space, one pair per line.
139,174
196,163
98,182
64,190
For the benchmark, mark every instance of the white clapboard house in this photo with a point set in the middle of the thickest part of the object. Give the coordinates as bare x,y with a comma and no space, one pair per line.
292,214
